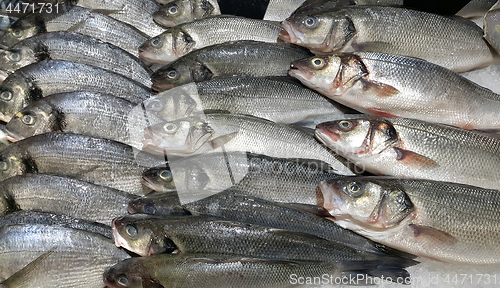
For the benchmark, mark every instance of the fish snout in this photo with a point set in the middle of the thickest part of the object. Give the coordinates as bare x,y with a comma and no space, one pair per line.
285,36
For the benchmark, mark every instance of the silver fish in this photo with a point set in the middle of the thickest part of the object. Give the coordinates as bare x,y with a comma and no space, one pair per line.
75,47
415,149
38,80
491,24
443,221
392,30
181,11
395,86
184,38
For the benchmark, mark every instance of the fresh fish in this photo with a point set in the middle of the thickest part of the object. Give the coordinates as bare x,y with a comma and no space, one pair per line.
277,99
99,161
45,218
74,258
415,149
476,8
38,80
205,235
182,11
158,203
492,25
273,179
232,58
80,20
75,47
456,44
393,86
136,13
178,271
184,38
444,221
86,113
63,195
313,6
230,132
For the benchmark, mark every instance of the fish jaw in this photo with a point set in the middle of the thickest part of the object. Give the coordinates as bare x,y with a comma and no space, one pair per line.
160,17
331,201
5,118
159,85
289,34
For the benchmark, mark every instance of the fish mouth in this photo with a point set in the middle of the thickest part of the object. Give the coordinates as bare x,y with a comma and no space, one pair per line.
325,135
5,118
288,34
160,86
151,185
152,56
162,21
332,202
3,76
12,137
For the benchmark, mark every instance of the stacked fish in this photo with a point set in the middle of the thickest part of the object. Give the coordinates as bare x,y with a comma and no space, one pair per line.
237,174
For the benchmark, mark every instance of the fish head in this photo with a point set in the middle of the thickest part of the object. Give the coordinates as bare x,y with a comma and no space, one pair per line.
157,203
321,32
329,75
12,164
159,179
180,72
159,49
366,202
125,274
36,118
357,138
174,104
16,92
22,29
15,58
180,137
174,13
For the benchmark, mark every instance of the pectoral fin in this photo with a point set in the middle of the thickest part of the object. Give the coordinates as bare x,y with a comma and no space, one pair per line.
379,89
221,140
433,235
414,159
21,277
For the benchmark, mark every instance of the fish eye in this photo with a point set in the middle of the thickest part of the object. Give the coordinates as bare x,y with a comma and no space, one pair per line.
310,23
6,95
156,42
354,189
345,125
4,166
131,230
172,74
165,175
15,57
122,280
170,128
317,62
150,209
173,10
155,105
28,119
16,33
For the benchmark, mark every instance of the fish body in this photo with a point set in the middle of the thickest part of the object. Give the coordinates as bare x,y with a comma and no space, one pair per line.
232,58
476,8
74,257
205,235
491,25
184,38
75,47
195,135
444,221
48,77
177,271
99,161
63,195
85,113
414,149
456,44
181,11
394,86
80,20
277,99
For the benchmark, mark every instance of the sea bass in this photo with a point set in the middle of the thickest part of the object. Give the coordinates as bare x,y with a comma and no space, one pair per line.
232,58
414,149
456,44
184,38
395,86
182,11
445,221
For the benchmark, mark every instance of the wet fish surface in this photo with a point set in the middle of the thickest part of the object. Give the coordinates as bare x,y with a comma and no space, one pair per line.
68,256
393,86
158,203
80,20
184,38
313,6
415,149
63,195
181,11
75,47
232,58
456,44
99,161
444,221
38,80
491,25
196,135
476,8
